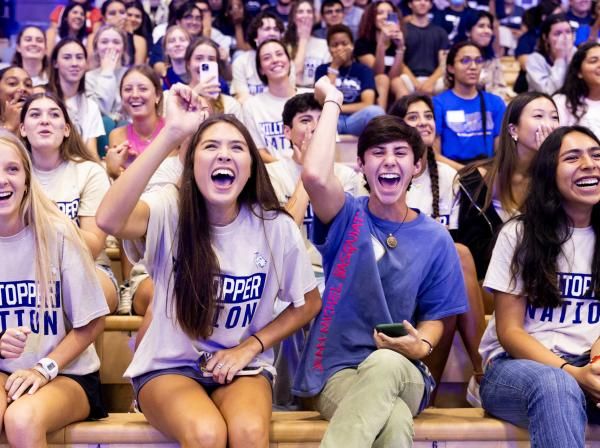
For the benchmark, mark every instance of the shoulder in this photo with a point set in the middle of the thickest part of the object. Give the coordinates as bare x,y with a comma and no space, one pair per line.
118,135
494,100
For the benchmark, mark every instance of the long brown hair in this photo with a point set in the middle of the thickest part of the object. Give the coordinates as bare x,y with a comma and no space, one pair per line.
366,28
72,147
197,270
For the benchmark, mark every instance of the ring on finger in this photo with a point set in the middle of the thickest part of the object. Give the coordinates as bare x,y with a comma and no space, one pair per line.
220,365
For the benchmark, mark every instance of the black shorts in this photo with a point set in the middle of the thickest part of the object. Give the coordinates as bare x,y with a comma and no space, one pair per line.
90,383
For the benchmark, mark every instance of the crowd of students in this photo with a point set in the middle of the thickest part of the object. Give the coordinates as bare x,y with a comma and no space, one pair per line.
205,147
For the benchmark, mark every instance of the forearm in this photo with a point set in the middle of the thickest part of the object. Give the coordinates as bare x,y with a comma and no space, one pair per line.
75,342
297,204
379,65
398,65
123,195
521,345
299,59
354,107
94,243
320,156
431,330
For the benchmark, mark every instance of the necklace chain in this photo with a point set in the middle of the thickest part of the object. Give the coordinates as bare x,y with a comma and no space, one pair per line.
391,240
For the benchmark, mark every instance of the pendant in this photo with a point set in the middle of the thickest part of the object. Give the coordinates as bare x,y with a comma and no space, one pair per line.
391,241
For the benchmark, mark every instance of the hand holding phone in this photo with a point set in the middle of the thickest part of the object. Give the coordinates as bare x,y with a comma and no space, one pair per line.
393,18
395,330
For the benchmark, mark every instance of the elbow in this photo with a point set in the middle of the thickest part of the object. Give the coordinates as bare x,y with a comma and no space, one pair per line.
312,179
106,223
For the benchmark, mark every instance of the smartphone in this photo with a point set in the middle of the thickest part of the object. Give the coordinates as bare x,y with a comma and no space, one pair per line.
391,330
392,17
246,371
208,70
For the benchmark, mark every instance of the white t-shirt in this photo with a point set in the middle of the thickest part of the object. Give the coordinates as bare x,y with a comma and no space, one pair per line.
569,329
80,300
317,53
167,173
263,118
245,76
591,118
77,188
85,115
284,175
419,196
231,106
104,89
254,271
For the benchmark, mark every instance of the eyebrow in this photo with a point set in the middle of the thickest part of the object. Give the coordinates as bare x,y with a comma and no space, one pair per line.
224,140
579,150
38,109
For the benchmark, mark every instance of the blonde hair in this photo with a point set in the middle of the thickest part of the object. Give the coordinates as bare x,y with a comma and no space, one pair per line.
44,217
124,56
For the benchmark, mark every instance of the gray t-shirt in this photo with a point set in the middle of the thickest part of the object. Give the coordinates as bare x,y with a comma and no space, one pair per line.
259,260
79,300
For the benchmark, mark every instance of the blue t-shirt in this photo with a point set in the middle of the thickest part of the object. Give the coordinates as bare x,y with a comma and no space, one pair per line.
459,125
368,284
351,81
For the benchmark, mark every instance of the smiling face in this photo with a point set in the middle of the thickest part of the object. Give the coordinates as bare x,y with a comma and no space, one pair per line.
192,21
420,116
134,18
267,30
44,126
76,18
176,43
467,66
578,175
537,113
116,15
139,96
274,62
381,14
389,169
71,63
222,167
32,44
15,85
590,68
482,32
12,189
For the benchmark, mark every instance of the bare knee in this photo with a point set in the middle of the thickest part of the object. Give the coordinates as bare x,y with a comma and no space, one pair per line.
249,432
143,297
110,292
23,424
205,433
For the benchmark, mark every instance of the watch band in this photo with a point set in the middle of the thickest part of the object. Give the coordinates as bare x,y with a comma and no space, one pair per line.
49,366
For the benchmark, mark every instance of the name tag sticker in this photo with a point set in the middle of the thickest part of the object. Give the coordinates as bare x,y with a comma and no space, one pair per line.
455,116
388,61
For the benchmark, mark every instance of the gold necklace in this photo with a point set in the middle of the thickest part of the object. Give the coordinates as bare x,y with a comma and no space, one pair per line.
391,240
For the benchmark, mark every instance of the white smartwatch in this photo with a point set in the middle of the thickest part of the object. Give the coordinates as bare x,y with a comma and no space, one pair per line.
48,368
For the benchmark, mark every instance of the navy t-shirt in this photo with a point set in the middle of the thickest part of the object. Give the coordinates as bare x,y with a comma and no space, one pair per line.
351,81
449,20
364,46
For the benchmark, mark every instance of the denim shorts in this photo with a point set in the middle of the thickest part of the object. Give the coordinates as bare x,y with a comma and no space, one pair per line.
207,383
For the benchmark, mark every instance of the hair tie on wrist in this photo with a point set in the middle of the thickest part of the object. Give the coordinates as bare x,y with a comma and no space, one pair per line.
262,346
429,344
334,102
564,364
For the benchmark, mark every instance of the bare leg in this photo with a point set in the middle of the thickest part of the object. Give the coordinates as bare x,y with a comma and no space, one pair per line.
143,296
398,88
110,292
246,407
180,408
30,417
382,85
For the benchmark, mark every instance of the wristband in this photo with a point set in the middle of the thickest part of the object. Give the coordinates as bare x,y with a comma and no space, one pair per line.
564,364
334,102
430,346
333,71
262,346
49,367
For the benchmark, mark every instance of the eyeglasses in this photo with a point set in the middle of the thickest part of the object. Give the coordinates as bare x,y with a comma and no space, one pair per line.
329,12
467,60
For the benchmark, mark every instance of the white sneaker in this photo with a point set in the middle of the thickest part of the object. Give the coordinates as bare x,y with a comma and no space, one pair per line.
125,300
473,397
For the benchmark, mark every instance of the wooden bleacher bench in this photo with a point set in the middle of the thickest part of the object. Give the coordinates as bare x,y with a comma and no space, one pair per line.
434,428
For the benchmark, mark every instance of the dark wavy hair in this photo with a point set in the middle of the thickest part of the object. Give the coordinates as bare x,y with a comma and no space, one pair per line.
63,27
145,28
262,77
197,266
400,109
385,129
257,22
54,77
290,38
466,25
18,58
546,227
575,89
366,27
107,3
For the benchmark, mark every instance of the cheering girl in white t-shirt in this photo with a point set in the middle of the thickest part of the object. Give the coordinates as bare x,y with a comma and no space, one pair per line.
52,310
219,250
540,346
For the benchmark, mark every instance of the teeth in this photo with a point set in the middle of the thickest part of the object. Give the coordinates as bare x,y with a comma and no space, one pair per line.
223,172
6,195
587,182
390,176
